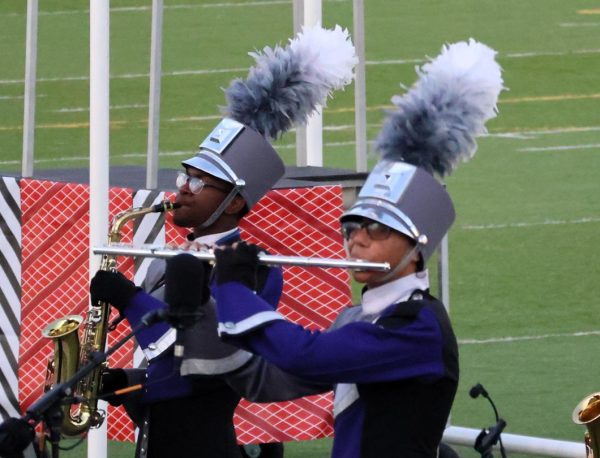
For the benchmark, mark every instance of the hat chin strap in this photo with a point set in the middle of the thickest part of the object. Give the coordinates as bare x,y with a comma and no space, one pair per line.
221,208
421,242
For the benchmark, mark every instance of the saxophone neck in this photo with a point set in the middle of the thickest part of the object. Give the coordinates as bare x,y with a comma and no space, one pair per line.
122,218
114,235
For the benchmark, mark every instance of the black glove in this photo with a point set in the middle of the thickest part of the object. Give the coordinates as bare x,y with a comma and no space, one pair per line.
112,380
15,436
112,287
238,264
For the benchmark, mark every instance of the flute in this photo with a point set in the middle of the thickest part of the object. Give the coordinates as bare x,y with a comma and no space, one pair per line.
151,251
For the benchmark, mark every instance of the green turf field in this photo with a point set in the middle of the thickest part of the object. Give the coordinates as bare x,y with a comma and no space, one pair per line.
525,289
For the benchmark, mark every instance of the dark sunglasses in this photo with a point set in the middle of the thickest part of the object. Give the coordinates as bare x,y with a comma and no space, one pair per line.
194,183
375,230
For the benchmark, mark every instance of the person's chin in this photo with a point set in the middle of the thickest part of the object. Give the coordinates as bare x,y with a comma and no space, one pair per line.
179,219
361,276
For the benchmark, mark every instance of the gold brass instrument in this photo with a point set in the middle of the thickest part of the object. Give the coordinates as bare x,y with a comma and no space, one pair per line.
587,413
267,259
70,354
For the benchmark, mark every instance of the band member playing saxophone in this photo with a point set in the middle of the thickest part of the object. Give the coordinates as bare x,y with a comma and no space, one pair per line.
187,415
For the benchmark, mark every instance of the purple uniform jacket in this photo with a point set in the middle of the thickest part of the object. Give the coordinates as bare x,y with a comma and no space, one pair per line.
394,374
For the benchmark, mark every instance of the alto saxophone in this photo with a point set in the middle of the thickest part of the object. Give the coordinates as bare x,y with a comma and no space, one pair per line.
587,413
70,354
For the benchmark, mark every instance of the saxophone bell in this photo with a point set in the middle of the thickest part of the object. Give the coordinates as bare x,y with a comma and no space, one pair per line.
64,362
72,351
587,413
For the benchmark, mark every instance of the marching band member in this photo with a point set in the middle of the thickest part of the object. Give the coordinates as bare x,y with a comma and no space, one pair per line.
189,411
187,416
393,360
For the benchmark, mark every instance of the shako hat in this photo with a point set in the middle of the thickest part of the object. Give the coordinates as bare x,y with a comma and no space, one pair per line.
241,156
431,130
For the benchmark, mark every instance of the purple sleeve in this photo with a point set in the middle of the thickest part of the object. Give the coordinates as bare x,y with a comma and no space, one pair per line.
358,352
141,304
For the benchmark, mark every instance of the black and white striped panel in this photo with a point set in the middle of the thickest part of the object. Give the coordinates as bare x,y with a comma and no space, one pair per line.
10,295
147,230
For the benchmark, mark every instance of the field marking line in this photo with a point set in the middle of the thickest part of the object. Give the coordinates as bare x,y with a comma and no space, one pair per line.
516,134
131,75
518,55
509,55
238,70
547,98
135,9
72,125
334,127
550,98
579,24
549,222
201,72
193,118
532,134
534,149
45,80
525,338
511,135
20,97
287,146
560,130
121,123
112,107
395,61
589,11
162,154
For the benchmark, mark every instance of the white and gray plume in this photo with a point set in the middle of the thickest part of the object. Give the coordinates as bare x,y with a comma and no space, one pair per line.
435,123
287,84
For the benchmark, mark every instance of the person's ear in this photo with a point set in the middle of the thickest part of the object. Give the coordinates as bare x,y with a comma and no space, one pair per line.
236,205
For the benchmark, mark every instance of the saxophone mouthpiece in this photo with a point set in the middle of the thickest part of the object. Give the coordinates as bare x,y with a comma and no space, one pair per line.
165,206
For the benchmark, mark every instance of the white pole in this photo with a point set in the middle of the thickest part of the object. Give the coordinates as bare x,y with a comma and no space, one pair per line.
314,127
99,162
29,95
519,444
444,272
298,19
360,91
154,97
444,280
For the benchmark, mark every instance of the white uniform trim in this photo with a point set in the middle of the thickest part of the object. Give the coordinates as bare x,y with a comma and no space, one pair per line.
156,348
345,395
253,321
193,366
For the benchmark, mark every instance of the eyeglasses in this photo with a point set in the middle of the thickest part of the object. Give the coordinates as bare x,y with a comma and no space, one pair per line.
194,183
375,230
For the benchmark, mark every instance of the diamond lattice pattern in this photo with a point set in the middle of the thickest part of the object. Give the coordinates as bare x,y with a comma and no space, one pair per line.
55,266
